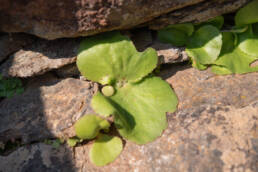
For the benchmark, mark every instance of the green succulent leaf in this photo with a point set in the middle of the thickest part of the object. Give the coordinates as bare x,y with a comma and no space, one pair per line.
216,22
248,14
205,44
233,59
102,105
220,70
105,149
111,58
199,65
239,29
73,141
248,42
255,28
177,34
140,108
10,86
187,28
88,126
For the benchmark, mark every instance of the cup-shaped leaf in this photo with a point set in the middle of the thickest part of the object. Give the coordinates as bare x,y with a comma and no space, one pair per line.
102,105
216,22
205,44
110,58
177,34
140,108
105,149
248,42
233,59
88,126
248,14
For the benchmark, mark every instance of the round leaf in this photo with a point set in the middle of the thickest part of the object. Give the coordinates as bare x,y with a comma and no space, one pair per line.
172,36
205,44
102,105
216,22
248,42
110,57
176,34
105,150
233,59
247,14
140,109
88,126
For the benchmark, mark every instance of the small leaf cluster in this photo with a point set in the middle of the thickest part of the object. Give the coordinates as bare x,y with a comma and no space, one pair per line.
228,51
136,100
10,86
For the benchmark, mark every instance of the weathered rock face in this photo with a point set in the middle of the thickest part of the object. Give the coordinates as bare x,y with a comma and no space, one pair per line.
214,128
63,18
12,43
48,108
40,57
196,13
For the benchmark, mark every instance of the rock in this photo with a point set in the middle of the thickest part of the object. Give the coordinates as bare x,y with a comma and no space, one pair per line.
48,108
197,13
54,19
142,38
41,57
38,157
169,54
13,42
214,129
195,88
67,71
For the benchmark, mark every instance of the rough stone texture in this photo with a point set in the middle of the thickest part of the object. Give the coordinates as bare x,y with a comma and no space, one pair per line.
38,157
70,70
169,54
41,57
214,129
48,108
64,18
9,43
195,88
197,13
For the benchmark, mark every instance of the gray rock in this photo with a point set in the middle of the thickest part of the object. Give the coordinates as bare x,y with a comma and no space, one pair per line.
169,54
70,70
48,108
197,13
38,157
41,57
57,19
9,43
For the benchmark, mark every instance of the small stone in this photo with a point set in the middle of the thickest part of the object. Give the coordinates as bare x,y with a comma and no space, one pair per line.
40,57
169,54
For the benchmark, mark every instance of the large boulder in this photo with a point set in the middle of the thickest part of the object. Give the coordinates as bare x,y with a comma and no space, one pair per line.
53,19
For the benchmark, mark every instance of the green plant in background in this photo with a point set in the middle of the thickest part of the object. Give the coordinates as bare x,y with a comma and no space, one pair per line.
10,87
137,100
227,52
